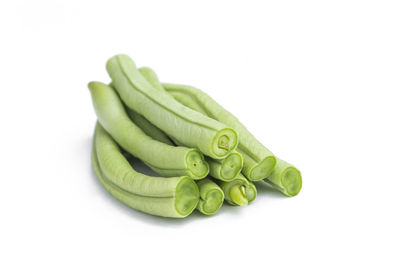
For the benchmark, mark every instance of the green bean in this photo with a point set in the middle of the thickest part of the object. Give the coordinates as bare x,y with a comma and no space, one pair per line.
285,178
239,191
259,162
167,197
151,76
226,169
148,128
211,197
164,159
183,124
223,169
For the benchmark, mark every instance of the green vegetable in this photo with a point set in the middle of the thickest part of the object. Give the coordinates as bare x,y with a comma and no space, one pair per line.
151,76
224,169
148,128
239,191
211,197
259,162
165,159
179,122
285,178
167,197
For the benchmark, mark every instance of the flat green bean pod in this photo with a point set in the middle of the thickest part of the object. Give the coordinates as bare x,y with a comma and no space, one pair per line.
178,121
164,159
239,191
285,178
259,162
168,197
223,169
211,197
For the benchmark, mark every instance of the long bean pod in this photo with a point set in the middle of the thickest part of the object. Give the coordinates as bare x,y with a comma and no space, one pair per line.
167,197
178,121
165,159
285,178
211,197
239,191
259,162
147,127
223,169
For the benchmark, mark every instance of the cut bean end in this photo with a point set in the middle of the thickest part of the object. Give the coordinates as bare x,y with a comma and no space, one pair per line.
225,141
291,180
263,169
186,197
197,165
251,192
213,202
238,195
231,166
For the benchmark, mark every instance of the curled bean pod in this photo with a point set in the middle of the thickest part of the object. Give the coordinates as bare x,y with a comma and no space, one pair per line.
164,159
259,162
168,197
183,124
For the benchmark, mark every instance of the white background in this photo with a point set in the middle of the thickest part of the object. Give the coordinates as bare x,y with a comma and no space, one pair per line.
316,81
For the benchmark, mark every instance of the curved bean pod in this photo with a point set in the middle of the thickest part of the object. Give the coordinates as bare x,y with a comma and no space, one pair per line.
239,191
183,124
223,169
259,162
211,197
168,197
285,178
164,159
147,127
120,172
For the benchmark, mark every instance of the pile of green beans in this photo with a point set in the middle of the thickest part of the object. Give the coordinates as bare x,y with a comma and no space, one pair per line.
202,153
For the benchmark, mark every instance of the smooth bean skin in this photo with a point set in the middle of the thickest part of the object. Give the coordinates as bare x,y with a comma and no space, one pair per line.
183,124
286,178
211,197
259,162
244,194
223,169
165,159
167,197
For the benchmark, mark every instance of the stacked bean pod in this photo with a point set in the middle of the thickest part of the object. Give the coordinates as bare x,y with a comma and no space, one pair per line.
203,154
